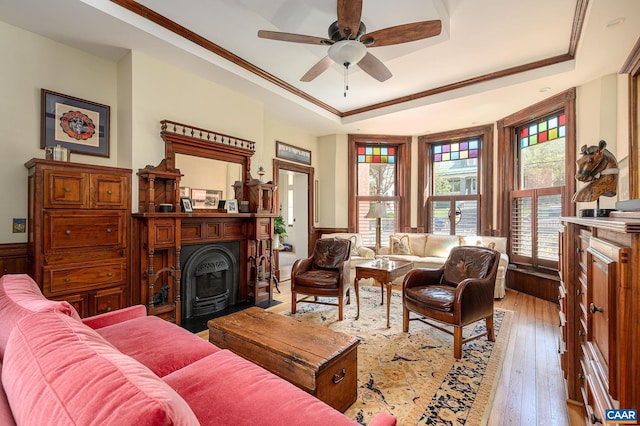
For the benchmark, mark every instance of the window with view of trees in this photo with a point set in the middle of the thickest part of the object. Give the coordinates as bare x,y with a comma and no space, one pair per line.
456,175
378,176
376,183
536,204
453,207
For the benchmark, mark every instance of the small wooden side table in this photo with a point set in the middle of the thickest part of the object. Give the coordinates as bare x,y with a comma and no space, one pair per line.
384,273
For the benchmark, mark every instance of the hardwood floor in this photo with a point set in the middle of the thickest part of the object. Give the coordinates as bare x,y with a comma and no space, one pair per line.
531,390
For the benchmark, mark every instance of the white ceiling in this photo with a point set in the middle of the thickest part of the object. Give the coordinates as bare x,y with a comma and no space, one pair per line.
478,38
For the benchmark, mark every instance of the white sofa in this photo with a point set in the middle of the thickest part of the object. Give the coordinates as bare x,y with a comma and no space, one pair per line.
427,251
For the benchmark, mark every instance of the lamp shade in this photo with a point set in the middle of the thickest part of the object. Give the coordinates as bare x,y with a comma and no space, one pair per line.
376,210
347,52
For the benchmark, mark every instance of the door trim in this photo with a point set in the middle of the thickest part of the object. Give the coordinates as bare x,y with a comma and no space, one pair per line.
309,171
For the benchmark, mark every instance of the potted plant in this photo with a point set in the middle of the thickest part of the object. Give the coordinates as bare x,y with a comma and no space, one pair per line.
279,230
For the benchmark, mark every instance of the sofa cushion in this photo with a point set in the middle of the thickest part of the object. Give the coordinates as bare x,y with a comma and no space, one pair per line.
55,367
496,243
6,418
440,245
173,347
354,245
416,242
399,244
206,386
20,296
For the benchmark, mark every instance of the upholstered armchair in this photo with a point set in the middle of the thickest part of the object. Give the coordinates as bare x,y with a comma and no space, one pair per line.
458,294
324,274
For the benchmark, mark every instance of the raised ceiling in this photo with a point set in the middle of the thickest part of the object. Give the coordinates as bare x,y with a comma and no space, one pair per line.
492,58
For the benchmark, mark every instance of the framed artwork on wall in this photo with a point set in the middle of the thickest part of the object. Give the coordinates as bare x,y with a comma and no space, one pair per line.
76,124
293,153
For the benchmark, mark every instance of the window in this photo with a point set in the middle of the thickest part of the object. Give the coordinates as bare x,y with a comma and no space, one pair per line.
453,207
378,175
453,180
536,204
376,183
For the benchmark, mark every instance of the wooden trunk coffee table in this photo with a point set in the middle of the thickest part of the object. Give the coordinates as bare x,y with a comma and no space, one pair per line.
384,273
318,360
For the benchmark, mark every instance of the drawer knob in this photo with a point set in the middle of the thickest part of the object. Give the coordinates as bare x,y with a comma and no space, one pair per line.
110,192
68,232
109,309
67,189
594,419
580,333
339,376
579,292
581,377
593,308
108,230
109,274
66,280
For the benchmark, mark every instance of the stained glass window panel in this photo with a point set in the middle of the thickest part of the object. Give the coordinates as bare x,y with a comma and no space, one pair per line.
455,151
376,154
546,130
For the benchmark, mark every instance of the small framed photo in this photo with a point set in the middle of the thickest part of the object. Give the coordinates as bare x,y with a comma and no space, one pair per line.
78,125
221,204
212,198
199,198
232,206
185,204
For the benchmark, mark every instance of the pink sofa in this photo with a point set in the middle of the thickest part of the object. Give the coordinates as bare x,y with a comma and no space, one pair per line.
127,368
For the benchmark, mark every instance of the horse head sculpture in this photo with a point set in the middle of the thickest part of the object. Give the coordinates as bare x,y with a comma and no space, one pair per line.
599,169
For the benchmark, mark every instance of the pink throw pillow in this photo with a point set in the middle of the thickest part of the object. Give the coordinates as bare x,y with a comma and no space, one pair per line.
21,296
57,369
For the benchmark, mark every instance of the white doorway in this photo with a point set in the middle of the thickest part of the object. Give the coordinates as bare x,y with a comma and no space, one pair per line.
294,208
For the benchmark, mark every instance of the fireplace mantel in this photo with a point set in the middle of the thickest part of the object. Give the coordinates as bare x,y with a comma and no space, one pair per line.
159,238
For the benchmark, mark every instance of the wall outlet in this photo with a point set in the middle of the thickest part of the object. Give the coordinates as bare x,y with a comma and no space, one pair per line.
19,225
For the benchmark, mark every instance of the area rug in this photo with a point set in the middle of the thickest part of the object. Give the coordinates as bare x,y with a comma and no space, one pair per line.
414,375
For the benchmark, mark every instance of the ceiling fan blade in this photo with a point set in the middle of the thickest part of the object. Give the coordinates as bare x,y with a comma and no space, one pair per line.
320,67
295,38
374,67
402,33
349,13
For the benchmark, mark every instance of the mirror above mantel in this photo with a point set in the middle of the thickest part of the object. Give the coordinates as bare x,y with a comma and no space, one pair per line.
206,174
195,158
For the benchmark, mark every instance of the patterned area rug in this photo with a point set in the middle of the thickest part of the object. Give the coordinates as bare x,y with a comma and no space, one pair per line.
414,375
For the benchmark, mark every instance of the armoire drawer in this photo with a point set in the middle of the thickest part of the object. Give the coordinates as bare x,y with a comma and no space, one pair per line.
109,191
65,189
82,231
64,279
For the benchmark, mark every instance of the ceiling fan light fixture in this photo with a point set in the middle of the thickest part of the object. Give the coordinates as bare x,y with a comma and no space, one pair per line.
347,52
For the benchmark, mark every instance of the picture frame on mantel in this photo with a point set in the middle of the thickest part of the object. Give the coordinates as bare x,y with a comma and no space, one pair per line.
76,124
293,153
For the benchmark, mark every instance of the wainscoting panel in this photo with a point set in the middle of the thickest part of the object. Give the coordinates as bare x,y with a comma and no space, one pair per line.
13,258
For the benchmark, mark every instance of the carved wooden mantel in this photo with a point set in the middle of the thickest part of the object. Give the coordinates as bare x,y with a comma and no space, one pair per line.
158,237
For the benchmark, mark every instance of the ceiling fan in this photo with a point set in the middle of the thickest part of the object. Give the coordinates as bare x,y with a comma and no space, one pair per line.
348,41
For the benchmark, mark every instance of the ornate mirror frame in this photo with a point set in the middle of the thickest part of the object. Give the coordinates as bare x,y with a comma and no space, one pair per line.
184,139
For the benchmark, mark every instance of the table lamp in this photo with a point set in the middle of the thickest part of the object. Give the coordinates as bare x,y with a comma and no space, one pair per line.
377,211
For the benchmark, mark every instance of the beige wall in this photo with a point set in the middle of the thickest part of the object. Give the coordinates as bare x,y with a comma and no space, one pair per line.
601,108
30,63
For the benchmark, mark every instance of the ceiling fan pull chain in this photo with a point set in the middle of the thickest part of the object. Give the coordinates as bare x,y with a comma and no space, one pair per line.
346,79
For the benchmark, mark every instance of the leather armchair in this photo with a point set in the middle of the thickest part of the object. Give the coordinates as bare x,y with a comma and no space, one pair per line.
324,274
457,294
